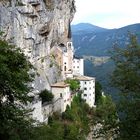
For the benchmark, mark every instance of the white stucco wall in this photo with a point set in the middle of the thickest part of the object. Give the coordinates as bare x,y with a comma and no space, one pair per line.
64,93
88,88
78,66
65,61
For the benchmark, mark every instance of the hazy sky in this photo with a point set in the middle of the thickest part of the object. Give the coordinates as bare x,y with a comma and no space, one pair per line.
107,13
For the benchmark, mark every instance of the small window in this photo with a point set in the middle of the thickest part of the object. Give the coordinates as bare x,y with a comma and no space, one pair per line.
65,68
77,66
85,88
61,95
85,82
69,44
90,88
65,63
73,66
85,95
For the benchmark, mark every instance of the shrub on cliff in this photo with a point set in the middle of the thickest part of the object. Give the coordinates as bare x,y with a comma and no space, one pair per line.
46,96
74,84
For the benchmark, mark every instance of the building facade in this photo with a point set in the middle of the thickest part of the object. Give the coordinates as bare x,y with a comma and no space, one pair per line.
78,66
64,58
62,90
67,61
87,85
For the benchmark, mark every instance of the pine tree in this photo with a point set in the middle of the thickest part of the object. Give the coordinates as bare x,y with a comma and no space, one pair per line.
126,77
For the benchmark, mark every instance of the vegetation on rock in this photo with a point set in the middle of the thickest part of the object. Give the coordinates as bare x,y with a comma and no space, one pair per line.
105,118
74,84
46,96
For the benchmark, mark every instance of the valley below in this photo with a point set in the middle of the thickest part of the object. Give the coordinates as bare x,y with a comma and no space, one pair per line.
97,60
94,44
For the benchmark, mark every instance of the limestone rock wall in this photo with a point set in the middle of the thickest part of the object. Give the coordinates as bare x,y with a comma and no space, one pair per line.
37,27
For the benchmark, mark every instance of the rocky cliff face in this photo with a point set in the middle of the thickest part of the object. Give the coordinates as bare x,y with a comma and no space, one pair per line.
37,27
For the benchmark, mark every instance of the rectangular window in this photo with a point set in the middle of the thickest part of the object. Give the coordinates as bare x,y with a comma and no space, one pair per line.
65,68
85,82
85,88
85,95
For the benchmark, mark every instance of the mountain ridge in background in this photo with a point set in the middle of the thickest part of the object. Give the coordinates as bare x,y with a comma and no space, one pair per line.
94,43
87,27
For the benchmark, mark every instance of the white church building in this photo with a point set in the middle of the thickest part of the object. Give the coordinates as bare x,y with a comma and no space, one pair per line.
72,67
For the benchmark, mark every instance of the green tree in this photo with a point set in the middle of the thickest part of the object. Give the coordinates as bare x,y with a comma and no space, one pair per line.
14,87
46,96
106,115
67,115
47,132
74,84
126,77
98,92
